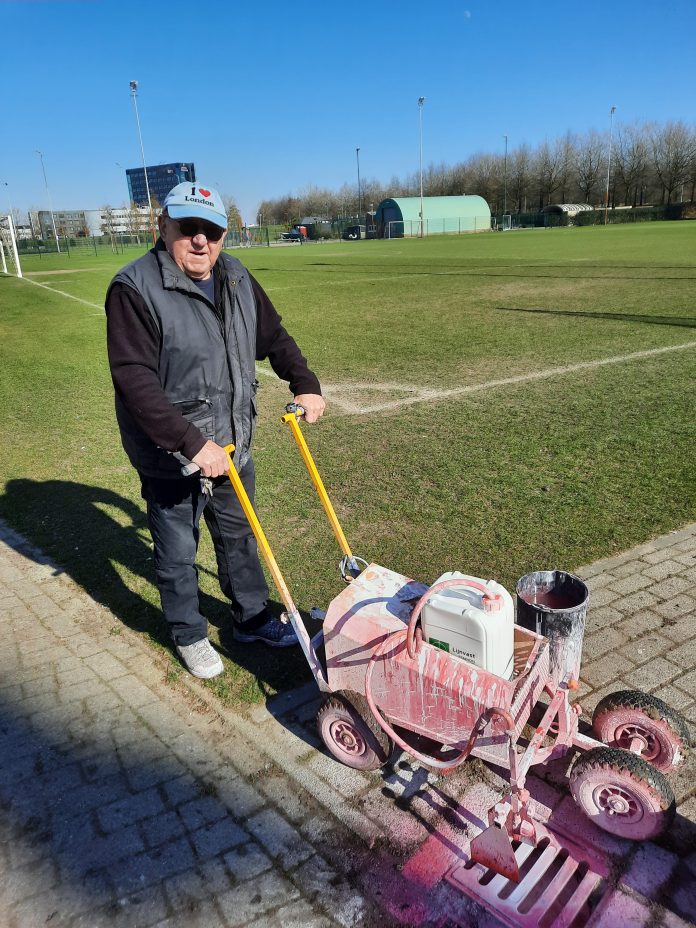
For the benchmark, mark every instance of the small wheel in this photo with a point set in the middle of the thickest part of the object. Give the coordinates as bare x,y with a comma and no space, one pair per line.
351,734
644,725
622,793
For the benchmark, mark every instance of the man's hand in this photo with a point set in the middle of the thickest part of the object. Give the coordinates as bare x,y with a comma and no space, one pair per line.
212,460
313,405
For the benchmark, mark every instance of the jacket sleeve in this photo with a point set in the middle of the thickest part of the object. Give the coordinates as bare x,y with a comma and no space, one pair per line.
281,349
133,344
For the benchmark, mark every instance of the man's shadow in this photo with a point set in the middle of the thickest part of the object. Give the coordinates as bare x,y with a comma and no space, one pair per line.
101,540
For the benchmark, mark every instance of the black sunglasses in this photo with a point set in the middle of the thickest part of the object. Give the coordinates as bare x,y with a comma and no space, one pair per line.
190,228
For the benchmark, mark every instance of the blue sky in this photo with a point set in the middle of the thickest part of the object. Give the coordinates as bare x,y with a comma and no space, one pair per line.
272,97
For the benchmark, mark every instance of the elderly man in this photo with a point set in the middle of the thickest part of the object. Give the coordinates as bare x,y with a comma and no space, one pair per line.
185,326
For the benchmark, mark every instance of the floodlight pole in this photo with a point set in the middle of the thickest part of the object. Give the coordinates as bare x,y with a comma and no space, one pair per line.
505,179
421,101
48,194
606,199
134,94
357,158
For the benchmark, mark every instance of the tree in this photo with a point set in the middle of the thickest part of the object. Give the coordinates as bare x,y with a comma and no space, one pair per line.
632,163
673,148
588,162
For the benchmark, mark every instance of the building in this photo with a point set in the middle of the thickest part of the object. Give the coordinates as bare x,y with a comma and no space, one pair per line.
400,217
160,177
84,223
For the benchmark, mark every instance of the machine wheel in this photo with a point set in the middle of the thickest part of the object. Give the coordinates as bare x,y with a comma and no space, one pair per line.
622,793
351,734
644,725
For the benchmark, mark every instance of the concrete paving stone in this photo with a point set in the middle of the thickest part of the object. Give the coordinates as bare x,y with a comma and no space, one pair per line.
604,616
674,697
106,666
665,918
20,884
218,838
151,867
590,701
683,783
284,703
620,909
11,694
152,772
603,597
598,581
662,554
324,885
89,796
630,584
57,906
45,656
161,828
240,797
193,751
600,672
279,838
82,647
684,655
89,689
40,685
345,780
205,915
216,875
296,915
635,602
650,868
246,862
687,683
66,661
664,569
403,829
671,587
180,789
51,720
131,809
688,559
250,900
281,792
690,574
185,891
676,608
132,691
40,640
201,811
683,894
140,910
636,625
630,567
657,672
647,647
244,755
679,630
167,726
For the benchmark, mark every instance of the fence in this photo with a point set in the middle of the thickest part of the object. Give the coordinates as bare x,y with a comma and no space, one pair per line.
454,225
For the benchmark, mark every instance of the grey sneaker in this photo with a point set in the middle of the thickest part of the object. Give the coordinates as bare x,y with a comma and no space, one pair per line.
201,659
274,633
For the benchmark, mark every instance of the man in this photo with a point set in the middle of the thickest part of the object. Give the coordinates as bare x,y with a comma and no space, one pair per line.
185,326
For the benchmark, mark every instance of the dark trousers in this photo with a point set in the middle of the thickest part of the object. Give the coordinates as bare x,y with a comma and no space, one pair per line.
174,509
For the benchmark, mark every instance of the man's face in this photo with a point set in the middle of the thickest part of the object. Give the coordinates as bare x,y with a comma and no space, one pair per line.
195,253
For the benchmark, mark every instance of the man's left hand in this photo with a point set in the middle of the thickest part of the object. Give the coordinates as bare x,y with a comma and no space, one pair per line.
313,405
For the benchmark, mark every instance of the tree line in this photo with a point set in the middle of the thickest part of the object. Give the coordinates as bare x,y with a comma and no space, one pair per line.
651,163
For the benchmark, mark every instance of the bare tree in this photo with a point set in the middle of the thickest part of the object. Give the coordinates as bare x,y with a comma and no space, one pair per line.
588,164
631,161
548,167
672,148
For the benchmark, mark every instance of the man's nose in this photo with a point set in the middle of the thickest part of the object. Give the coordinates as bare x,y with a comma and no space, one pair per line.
200,239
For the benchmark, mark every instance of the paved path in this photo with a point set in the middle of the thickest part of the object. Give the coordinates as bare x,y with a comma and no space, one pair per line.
127,799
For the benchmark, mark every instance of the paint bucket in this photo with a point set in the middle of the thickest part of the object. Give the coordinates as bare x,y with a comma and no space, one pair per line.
553,603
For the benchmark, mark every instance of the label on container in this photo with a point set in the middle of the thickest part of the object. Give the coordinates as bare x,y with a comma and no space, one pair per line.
443,645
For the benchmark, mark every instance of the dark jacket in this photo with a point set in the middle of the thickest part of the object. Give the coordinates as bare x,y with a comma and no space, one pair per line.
203,372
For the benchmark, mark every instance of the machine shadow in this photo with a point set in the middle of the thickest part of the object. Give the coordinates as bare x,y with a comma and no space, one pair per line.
98,537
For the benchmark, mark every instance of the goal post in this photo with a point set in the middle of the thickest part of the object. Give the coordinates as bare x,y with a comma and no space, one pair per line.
8,243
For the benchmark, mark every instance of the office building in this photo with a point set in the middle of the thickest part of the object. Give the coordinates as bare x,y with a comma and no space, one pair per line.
161,178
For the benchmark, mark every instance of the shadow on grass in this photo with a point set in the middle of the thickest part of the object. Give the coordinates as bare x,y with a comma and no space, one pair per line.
73,524
684,322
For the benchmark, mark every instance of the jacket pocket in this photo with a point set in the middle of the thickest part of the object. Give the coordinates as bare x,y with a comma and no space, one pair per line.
199,412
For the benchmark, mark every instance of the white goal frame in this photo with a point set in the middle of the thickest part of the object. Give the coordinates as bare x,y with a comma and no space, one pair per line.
8,240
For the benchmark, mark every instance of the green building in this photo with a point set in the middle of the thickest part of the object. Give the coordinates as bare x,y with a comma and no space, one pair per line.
400,217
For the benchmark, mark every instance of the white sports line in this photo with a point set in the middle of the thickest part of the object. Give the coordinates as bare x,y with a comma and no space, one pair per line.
337,393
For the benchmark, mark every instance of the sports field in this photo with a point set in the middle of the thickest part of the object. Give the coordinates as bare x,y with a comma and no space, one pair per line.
497,403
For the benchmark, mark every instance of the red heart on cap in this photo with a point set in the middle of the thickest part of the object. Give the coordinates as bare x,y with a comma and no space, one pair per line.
205,193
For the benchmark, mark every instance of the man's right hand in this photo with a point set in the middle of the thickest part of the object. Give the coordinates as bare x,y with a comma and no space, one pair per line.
212,460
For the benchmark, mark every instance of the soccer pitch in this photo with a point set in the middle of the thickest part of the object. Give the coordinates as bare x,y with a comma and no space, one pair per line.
498,403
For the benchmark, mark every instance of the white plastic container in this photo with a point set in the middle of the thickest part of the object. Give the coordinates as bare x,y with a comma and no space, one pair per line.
473,620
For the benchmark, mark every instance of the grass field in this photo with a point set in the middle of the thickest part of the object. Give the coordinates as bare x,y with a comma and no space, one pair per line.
550,468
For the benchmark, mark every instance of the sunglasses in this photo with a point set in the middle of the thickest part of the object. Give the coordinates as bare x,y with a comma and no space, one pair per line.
190,228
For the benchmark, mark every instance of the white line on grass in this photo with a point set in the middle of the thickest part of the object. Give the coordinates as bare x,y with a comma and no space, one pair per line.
337,392
63,293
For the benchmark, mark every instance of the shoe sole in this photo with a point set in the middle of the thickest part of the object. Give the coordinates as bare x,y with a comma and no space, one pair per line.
250,639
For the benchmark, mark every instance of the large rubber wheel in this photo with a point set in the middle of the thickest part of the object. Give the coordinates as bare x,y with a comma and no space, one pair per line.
622,793
645,725
350,732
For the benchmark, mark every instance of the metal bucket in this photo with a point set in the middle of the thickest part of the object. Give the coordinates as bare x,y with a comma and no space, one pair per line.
553,603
